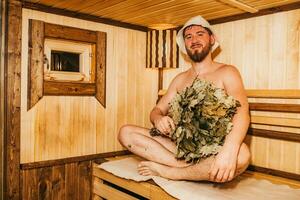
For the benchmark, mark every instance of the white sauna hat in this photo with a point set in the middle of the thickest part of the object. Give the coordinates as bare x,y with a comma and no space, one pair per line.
197,20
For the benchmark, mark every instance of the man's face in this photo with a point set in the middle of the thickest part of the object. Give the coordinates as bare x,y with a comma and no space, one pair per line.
198,42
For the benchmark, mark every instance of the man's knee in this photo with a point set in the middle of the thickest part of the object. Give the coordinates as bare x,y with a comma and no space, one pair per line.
243,157
124,133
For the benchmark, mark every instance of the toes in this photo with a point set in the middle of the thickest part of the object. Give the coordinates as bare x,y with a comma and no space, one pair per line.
144,172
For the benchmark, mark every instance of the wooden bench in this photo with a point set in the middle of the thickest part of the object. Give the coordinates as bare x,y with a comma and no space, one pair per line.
108,186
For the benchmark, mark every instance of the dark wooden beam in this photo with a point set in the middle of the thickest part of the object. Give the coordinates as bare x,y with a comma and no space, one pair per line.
58,11
63,161
3,15
278,135
66,181
13,99
266,11
274,172
275,107
35,62
70,33
69,88
100,93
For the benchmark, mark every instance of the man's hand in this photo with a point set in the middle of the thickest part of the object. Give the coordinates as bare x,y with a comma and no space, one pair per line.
224,166
164,124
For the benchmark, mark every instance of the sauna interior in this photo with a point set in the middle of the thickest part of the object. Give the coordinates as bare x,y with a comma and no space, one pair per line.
73,72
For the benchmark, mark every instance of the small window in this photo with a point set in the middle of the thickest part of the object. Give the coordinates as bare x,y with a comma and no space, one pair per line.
68,61
65,61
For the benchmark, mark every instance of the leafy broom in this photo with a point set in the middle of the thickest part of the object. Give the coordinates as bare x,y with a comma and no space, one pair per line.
202,114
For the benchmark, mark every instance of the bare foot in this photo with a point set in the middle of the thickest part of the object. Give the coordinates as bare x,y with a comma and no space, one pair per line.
149,168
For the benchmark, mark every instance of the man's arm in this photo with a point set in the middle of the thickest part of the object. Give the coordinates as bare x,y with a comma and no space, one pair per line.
224,167
158,114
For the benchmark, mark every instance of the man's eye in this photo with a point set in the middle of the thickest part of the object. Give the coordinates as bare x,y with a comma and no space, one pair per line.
188,37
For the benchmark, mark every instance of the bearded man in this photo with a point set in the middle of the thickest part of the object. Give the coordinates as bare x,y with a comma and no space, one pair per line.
197,40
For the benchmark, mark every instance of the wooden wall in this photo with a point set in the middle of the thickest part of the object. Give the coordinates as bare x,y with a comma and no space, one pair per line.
64,126
65,181
266,50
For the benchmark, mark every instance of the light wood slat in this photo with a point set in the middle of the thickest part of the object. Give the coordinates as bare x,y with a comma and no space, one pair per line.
96,197
276,121
284,94
274,179
108,192
153,9
139,188
258,93
150,12
240,5
268,4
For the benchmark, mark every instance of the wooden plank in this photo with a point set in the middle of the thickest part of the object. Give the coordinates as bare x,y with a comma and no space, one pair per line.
240,5
35,62
275,107
13,101
274,179
69,33
44,183
48,9
261,93
72,181
69,88
276,121
72,159
266,11
29,184
138,188
108,192
101,68
274,134
96,197
58,182
283,94
85,180
275,172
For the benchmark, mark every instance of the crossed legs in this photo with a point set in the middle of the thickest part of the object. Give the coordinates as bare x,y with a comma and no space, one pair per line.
162,162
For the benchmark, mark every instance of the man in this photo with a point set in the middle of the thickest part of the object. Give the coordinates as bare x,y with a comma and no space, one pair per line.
197,40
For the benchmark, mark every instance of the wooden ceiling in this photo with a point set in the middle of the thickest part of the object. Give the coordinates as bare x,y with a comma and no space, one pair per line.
151,12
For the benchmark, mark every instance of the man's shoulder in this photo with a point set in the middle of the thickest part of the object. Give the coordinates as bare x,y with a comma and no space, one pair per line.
227,69
180,76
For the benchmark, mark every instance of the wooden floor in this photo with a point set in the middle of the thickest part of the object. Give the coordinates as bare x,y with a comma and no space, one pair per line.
108,186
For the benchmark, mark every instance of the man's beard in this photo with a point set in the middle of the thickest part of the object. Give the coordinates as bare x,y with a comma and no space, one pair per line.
199,56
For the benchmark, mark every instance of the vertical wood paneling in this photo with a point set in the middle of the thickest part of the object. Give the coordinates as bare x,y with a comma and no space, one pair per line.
71,181
85,180
44,183
58,182
29,184
63,181
63,126
293,50
266,51
13,82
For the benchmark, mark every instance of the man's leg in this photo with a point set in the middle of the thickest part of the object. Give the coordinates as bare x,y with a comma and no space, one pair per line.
195,172
157,149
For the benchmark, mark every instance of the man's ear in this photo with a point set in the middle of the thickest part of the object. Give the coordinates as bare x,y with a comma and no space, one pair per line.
212,39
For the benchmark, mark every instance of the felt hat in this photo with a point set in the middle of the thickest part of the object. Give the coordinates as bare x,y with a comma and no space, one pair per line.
197,20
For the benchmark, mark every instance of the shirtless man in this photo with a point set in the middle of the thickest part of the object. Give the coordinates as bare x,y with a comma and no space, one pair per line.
197,40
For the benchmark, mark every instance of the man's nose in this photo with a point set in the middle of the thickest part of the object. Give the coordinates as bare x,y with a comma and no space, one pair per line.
194,39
